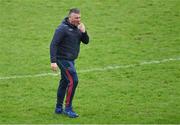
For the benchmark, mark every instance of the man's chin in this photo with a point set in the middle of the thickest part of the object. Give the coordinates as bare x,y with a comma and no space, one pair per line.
77,24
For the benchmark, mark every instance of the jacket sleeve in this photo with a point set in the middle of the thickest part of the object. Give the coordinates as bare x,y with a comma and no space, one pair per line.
85,38
57,38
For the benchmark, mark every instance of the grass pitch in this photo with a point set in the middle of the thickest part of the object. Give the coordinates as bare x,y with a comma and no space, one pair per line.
122,32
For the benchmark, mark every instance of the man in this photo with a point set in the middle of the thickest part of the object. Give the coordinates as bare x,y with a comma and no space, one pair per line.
64,49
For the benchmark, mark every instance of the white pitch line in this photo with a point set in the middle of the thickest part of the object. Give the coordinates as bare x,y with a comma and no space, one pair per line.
94,69
130,65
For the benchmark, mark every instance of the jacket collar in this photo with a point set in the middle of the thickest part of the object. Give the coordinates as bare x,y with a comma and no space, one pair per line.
65,21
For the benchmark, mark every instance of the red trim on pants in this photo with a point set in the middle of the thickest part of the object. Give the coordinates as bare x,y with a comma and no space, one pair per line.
70,87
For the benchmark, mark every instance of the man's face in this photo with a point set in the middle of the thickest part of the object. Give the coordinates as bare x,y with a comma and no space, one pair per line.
75,19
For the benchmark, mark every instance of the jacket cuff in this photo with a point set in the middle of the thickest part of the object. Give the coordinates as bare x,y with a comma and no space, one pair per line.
53,60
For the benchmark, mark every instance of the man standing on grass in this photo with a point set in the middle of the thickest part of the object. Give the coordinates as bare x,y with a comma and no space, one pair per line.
64,49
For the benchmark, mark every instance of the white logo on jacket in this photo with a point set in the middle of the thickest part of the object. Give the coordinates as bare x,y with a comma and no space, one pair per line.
70,29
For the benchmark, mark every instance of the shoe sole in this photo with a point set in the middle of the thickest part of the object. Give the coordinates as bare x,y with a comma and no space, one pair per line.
70,116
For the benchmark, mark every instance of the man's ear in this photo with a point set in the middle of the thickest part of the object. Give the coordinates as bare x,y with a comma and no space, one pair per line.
70,18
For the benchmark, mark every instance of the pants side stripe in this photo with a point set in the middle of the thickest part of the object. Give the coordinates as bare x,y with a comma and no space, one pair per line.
69,93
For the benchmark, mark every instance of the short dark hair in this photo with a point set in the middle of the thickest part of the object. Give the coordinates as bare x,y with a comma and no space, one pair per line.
74,10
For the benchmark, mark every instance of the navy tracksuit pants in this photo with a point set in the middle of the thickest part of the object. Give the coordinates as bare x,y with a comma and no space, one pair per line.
68,82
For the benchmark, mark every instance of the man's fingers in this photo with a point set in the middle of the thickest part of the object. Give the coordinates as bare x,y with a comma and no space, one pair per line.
81,27
54,66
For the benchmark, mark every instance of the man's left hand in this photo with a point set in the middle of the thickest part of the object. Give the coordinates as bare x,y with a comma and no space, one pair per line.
81,27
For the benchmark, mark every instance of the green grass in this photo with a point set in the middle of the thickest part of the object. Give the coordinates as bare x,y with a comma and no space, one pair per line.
122,32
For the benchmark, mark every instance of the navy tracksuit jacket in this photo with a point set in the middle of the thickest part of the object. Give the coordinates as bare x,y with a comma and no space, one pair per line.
64,49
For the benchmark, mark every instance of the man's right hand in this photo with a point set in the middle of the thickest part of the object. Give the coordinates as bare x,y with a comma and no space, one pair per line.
54,66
